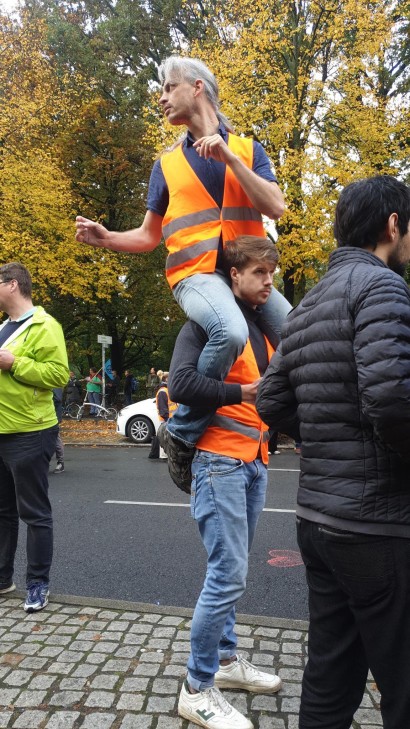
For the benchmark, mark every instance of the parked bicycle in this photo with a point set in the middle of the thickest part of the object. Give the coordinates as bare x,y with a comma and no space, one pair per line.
102,412
70,410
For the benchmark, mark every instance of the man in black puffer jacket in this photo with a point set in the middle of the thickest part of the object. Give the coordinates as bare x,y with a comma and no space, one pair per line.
342,373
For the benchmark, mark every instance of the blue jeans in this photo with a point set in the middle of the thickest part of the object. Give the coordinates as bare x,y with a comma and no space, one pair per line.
208,300
227,499
94,397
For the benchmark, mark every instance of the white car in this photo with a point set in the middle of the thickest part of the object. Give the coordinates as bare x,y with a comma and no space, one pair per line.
139,421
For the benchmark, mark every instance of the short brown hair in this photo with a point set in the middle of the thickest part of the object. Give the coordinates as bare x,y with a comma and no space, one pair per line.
240,252
17,272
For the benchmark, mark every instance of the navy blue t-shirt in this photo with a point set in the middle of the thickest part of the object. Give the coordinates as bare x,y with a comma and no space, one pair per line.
210,173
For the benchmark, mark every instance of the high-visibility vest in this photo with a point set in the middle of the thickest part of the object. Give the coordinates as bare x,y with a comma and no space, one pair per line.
237,430
193,223
172,406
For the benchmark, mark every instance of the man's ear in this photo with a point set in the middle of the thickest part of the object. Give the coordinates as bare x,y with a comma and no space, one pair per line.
199,87
392,227
234,273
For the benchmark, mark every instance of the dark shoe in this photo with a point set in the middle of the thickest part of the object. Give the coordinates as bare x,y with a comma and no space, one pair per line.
4,588
179,458
59,467
37,597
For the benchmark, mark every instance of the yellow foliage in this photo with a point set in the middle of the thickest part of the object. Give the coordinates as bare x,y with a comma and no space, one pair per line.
304,79
36,202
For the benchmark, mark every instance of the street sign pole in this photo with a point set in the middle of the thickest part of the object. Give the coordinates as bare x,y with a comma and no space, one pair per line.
104,341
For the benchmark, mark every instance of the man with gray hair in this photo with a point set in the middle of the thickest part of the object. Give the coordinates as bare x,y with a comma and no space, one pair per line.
209,188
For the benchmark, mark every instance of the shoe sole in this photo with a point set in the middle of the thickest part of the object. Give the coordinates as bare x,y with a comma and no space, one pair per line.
194,720
33,609
7,590
248,687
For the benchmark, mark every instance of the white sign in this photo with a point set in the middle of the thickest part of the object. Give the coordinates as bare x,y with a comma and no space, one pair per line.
103,339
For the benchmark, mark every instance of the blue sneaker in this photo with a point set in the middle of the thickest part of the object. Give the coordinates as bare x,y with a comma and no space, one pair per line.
37,597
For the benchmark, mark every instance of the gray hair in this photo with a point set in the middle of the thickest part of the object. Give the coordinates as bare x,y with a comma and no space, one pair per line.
191,69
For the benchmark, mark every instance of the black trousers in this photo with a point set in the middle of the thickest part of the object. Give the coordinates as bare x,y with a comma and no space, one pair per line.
24,464
359,603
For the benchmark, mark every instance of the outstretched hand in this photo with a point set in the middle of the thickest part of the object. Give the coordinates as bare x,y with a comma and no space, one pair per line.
87,231
214,147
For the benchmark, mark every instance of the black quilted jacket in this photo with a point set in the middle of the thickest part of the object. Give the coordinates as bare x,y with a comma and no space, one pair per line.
343,371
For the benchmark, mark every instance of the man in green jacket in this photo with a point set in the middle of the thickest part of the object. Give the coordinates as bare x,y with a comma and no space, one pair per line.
33,360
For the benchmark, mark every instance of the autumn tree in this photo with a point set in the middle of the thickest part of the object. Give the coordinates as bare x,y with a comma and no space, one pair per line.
38,109
324,87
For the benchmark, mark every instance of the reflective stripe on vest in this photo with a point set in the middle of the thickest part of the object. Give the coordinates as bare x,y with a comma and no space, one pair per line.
193,223
237,430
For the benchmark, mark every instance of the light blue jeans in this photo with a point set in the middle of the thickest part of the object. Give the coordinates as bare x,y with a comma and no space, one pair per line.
227,499
207,299
94,397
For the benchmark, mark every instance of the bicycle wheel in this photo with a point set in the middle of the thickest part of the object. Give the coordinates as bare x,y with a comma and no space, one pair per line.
72,410
111,414
80,413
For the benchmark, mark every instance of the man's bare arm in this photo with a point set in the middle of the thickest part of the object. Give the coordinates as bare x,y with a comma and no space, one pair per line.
145,238
264,194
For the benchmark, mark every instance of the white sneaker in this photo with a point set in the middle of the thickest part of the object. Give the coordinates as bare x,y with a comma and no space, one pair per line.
209,709
243,675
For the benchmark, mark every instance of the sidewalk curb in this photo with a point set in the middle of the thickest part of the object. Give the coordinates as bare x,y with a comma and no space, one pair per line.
144,607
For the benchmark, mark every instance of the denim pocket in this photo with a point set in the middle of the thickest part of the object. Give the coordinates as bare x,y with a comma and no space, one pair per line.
223,465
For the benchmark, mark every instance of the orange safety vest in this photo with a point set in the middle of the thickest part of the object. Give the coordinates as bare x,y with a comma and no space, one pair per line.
172,406
193,223
237,430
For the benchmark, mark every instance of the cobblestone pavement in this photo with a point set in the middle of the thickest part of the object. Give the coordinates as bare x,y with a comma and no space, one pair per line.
101,664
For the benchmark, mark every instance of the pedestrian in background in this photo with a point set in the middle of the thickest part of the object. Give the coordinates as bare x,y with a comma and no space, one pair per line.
152,382
128,387
94,389
73,390
33,360
58,405
343,372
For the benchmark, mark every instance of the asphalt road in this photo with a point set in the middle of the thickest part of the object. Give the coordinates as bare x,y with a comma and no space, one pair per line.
150,551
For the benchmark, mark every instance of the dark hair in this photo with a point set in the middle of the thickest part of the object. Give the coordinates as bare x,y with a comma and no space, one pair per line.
246,248
364,208
17,272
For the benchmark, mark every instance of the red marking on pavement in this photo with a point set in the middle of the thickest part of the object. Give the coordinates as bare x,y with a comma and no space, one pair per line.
284,558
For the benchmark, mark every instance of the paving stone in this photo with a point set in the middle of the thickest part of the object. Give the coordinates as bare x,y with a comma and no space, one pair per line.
136,721
50,652
171,620
104,682
291,689
88,610
120,625
70,656
290,674
102,647
33,663
163,644
165,686
291,648
147,669
269,722
167,722
174,671
161,704
84,670
96,658
117,665
29,649
290,706
98,721
264,703
41,681
149,618
82,645
30,698
5,717
268,632
63,720
269,645
131,616
151,657
58,667
292,635
134,639
96,624
130,702
112,635
165,633
107,615
369,716
72,684
262,659
127,652
141,628
17,678
66,698
30,720
100,699
134,684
